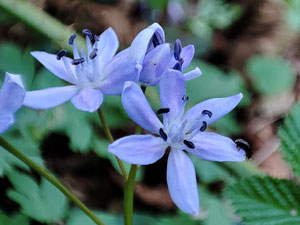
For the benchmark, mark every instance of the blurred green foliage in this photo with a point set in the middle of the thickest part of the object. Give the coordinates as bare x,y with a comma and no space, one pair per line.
271,75
43,202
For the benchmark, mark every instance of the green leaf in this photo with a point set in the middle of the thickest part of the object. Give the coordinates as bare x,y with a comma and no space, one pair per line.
9,161
154,4
16,219
214,83
292,16
228,172
271,75
14,61
44,202
216,213
289,135
77,217
266,201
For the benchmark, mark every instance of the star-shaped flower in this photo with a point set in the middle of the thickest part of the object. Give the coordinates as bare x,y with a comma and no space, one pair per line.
12,95
181,132
154,56
90,74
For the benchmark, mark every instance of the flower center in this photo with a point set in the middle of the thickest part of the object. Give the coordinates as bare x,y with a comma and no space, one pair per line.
84,68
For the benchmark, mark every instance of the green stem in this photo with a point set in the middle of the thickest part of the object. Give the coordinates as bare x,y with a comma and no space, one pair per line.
111,140
128,195
44,173
37,19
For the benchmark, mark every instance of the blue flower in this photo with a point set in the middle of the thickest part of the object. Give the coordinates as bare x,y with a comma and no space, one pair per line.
154,56
90,74
181,132
12,95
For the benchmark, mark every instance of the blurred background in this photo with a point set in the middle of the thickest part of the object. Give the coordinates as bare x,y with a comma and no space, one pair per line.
247,46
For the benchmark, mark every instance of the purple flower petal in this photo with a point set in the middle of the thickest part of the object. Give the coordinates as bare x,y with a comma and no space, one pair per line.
182,184
154,65
107,45
6,120
12,94
218,106
88,99
55,66
187,54
193,74
139,149
172,92
138,108
141,42
215,147
116,73
49,97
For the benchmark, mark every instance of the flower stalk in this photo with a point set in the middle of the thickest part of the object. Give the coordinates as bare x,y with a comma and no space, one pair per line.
111,140
44,173
128,195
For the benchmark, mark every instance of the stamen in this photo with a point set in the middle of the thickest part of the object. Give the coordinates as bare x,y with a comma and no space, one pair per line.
207,112
77,61
71,39
177,66
96,38
163,135
204,126
157,39
61,54
185,98
88,33
181,60
163,110
189,144
93,53
177,49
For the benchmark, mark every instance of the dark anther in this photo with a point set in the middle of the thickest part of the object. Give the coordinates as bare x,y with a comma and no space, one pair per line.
96,38
71,39
204,126
93,54
207,112
181,60
77,61
177,66
189,144
88,33
61,54
157,39
185,98
163,134
177,49
163,110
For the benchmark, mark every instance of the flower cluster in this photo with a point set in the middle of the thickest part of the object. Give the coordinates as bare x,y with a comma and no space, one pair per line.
99,71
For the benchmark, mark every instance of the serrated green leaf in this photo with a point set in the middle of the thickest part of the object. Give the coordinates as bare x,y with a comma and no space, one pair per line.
266,201
271,75
42,202
289,134
16,219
